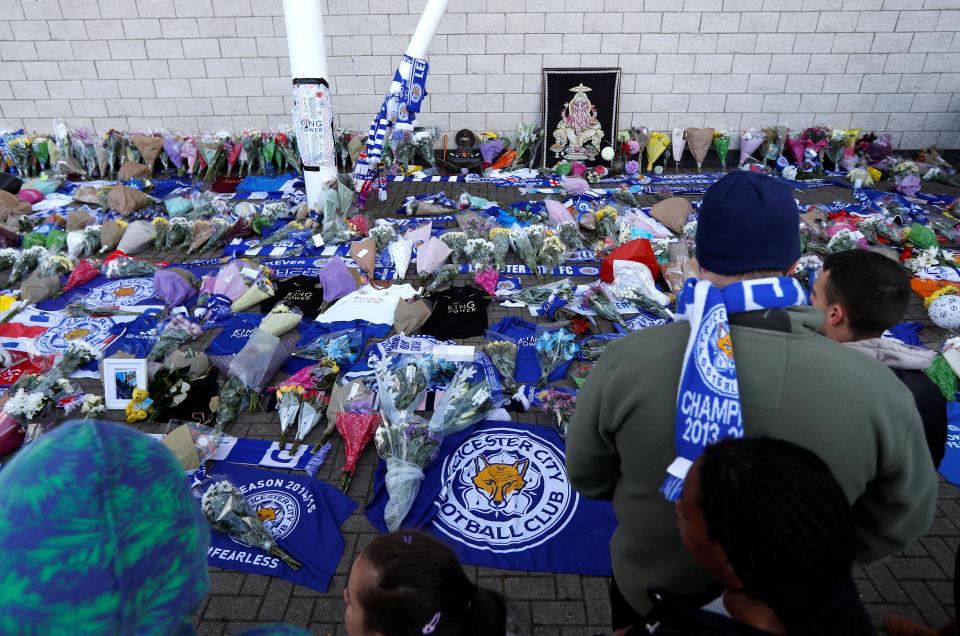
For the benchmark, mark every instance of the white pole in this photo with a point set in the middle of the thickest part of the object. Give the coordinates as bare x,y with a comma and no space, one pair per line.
420,42
312,102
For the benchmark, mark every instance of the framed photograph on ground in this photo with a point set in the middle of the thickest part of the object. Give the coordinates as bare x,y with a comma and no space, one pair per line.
120,377
580,109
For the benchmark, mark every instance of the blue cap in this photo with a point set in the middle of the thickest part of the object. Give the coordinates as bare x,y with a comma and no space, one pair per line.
748,222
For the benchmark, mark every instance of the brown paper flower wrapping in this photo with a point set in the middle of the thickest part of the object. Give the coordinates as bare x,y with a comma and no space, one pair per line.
672,212
149,147
138,237
79,219
110,234
410,315
364,253
38,288
133,170
124,200
87,194
699,141
202,231
12,208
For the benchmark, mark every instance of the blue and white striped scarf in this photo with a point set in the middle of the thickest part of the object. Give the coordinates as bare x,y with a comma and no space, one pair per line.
708,397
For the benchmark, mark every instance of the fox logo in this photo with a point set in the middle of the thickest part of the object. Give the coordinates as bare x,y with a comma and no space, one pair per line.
724,342
499,481
266,514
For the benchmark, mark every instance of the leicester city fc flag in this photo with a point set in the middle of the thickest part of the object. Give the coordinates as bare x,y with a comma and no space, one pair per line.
498,494
302,514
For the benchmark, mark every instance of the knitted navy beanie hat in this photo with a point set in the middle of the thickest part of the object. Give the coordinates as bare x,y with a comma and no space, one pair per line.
748,222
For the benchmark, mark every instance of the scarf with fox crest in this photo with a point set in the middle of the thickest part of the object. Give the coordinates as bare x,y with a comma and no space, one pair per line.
708,397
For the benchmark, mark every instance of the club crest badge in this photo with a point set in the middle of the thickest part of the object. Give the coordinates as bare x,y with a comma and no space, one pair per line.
277,510
714,348
125,292
504,491
93,331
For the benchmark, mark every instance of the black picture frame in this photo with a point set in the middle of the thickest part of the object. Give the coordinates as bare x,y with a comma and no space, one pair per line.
601,88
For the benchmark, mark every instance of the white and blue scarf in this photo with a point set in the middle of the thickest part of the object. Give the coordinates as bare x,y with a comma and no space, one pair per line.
708,398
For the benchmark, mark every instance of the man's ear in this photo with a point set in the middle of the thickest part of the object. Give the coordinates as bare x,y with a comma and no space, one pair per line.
836,314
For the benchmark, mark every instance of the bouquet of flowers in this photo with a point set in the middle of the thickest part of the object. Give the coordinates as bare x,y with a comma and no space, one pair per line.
480,253
382,236
228,512
281,319
597,298
638,296
34,410
554,347
559,405
551,252
357,423
502,352
529,137
457,242
500,237
536,232
439,279
524,249
178,234
402,382
878,231
220,227
474,391
311,412
84,243
842,240
27,261
341,346
657,144
721,144
538,294
83,272
176,332
407,448
288,407
258,362
570,235
750,140
606,222
127,267
474,225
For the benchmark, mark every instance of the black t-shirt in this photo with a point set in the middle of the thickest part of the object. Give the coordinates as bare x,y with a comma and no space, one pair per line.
300,291
459,312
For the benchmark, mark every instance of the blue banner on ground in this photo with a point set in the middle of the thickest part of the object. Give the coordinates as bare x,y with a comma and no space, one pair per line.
950,466
498,494
302,514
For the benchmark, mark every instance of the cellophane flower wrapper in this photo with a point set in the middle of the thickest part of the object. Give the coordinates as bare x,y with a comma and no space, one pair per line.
288,407
471,395
85,242
27,261
554,347
356,428
260,359
457,242
657,144
552,252
598,298
750,140
177,331
524,250
407,448
500,237
480,253
281,319
382,236
341,346
402,383
569,233
228,512
538,294
721,145
127,267
474,225
261,289
502,352
83,272
439,279
487,278
678,145
178,234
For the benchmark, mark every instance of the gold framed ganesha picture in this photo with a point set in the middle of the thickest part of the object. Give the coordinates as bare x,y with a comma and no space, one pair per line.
580,110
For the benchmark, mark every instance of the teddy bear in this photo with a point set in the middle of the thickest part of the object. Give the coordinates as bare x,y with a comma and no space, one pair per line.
140,407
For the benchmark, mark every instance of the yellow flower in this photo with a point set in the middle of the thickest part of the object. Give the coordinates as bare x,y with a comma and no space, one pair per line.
6,302
943,291
497,231
875,174
606,211
122,223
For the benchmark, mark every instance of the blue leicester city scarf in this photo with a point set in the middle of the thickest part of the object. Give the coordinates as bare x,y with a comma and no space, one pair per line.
708,398
302,514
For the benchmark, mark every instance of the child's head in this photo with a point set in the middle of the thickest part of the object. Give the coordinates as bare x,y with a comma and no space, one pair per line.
408,583
767,518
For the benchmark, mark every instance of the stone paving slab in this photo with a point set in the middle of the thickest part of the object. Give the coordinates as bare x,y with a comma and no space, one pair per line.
916,583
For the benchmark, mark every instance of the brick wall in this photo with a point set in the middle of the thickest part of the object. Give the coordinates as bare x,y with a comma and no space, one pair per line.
198,65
